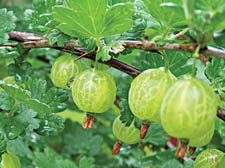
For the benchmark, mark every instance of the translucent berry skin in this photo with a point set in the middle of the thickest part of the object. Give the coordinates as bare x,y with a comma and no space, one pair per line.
127,135
209,158
94,91
189,109
64,69
147,91
202,140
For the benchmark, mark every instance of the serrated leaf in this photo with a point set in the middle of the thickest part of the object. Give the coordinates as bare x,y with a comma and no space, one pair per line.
126,116
177,62
163,160
156,135
6,102
55,36
94,20
80,141
104,53
86,162
23,96
215,69
7,20
49,158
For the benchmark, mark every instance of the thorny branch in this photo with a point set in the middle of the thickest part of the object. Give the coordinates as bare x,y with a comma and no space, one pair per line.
30,40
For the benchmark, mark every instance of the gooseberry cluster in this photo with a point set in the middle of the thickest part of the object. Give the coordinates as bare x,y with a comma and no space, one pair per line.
185,107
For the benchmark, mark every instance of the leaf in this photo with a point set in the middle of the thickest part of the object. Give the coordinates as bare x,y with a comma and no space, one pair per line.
27,116
126,116
177,62
49,158
168,12
12,54
92,18
23,96
156,135
6,102
51,125
219,38
104,53
80,141
163,160
117,19
86,162
53,97
215,68
55,36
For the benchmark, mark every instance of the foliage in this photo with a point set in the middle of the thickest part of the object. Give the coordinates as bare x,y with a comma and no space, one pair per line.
40,123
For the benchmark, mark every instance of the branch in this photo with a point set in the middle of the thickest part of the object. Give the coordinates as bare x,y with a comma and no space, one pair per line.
189,47
38,41
30,40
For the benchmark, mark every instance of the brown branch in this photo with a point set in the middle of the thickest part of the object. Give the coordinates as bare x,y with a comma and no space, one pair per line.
30,40
143,45
221,113
189,47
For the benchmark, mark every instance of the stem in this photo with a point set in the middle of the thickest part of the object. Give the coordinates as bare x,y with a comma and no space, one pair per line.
13,109
88,121
116,148
195,55
180,153
179,34
144,129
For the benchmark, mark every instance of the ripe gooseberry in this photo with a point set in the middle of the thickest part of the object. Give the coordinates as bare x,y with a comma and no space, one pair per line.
65,69
125,134
94,91
146,93
188,110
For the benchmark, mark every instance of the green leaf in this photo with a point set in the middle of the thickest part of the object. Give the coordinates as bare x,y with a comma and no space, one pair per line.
12,54
10,160
177,62
80,141
52,124
92,18
86,162
126,116
6,102
55,36
49,158
23,96
156,135
117,19
215,72
219,38
163,160
7,22
104,53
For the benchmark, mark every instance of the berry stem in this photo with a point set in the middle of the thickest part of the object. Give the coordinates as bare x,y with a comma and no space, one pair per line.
192,150
144,129
116,148
88,121
180,153
195,56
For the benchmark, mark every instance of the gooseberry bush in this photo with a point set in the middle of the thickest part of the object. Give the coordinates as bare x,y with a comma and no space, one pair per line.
112,83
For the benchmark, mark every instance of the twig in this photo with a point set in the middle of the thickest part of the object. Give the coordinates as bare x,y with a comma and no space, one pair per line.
38,41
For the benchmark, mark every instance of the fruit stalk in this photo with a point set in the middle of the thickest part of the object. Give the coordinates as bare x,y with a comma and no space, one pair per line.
116,148
192,150
180,153
88,121
144,129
